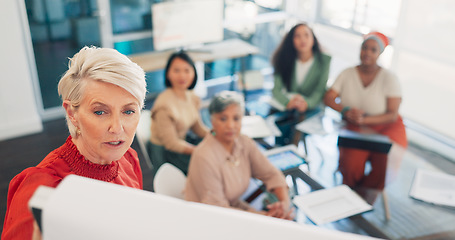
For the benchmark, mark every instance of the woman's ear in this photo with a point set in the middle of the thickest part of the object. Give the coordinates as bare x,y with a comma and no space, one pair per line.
70,112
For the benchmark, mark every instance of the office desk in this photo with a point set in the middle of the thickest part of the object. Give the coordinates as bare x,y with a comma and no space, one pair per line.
303,174
409,218
227,49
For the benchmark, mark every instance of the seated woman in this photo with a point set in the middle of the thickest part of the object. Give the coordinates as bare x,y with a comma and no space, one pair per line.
174,113
370,97
301,74
103,93
224,162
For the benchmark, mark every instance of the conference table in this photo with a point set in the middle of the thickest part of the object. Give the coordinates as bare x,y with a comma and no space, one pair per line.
303,174
408,219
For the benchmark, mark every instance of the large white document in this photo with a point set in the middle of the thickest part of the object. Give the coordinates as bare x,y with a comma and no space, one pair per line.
82,208
434,187
331,204
257,127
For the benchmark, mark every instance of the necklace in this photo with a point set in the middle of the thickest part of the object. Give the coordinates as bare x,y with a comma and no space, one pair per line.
233,161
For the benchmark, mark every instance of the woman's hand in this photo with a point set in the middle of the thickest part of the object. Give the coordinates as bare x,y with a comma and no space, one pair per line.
355,115
280,209
298,103
36,232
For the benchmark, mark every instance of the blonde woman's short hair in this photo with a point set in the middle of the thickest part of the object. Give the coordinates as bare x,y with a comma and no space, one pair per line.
104,65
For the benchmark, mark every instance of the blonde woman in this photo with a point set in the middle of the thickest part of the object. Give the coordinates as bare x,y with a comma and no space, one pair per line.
103,93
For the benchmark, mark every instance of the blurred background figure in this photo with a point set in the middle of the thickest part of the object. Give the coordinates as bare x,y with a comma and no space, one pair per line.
224,162
369,99
300,78
174,113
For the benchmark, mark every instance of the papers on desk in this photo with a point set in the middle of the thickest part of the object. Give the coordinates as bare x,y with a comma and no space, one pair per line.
433,187
332,204
258,127
277,105
264,105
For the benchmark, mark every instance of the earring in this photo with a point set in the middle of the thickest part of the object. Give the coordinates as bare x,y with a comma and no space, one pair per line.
213,133
78,132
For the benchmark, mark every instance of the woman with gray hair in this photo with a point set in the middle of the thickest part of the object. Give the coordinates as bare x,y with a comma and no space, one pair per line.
103,93
223,163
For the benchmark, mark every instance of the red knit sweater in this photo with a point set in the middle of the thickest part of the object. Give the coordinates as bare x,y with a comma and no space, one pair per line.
58,164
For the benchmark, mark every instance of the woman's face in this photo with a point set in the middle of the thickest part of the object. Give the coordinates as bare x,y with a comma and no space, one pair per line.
303,39
107,118
227,124
180,74
369,52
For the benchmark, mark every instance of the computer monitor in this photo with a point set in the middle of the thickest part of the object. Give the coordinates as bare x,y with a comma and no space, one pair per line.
184,24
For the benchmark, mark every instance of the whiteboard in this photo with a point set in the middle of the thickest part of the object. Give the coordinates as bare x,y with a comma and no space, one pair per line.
185,23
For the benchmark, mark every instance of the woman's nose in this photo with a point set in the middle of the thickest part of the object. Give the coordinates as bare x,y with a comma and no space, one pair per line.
116,125
231,123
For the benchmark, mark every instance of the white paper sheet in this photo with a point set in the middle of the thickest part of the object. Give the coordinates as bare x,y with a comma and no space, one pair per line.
257,127
82,208
275,104
332,204
434,187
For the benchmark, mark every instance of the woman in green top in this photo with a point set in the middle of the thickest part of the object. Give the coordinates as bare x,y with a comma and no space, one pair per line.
301,70
301,73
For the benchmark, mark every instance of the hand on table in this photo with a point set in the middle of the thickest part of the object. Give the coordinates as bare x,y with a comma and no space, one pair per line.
355,116
280,210
298,103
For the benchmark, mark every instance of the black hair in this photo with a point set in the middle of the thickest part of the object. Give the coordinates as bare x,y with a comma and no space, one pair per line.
283,59
182,55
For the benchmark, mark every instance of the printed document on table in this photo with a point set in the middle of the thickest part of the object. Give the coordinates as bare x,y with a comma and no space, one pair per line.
257,127
433,187
331,204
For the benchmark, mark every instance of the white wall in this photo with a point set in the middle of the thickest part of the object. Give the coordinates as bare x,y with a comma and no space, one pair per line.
424,61
18,111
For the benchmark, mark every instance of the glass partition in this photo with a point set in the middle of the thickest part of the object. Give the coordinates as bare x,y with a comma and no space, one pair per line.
59,28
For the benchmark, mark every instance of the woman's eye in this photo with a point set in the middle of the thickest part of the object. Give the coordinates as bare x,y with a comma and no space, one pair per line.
99,112
128,112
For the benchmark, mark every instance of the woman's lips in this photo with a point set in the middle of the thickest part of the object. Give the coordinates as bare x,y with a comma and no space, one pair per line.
115,143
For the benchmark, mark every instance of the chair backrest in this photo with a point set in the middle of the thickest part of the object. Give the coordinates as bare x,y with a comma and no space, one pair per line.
143,132
169,180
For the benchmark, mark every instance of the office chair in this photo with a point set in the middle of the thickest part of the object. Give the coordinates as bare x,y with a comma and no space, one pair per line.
170,181
143,132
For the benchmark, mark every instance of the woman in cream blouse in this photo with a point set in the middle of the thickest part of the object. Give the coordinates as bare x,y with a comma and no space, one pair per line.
370,97
223,163
174,113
